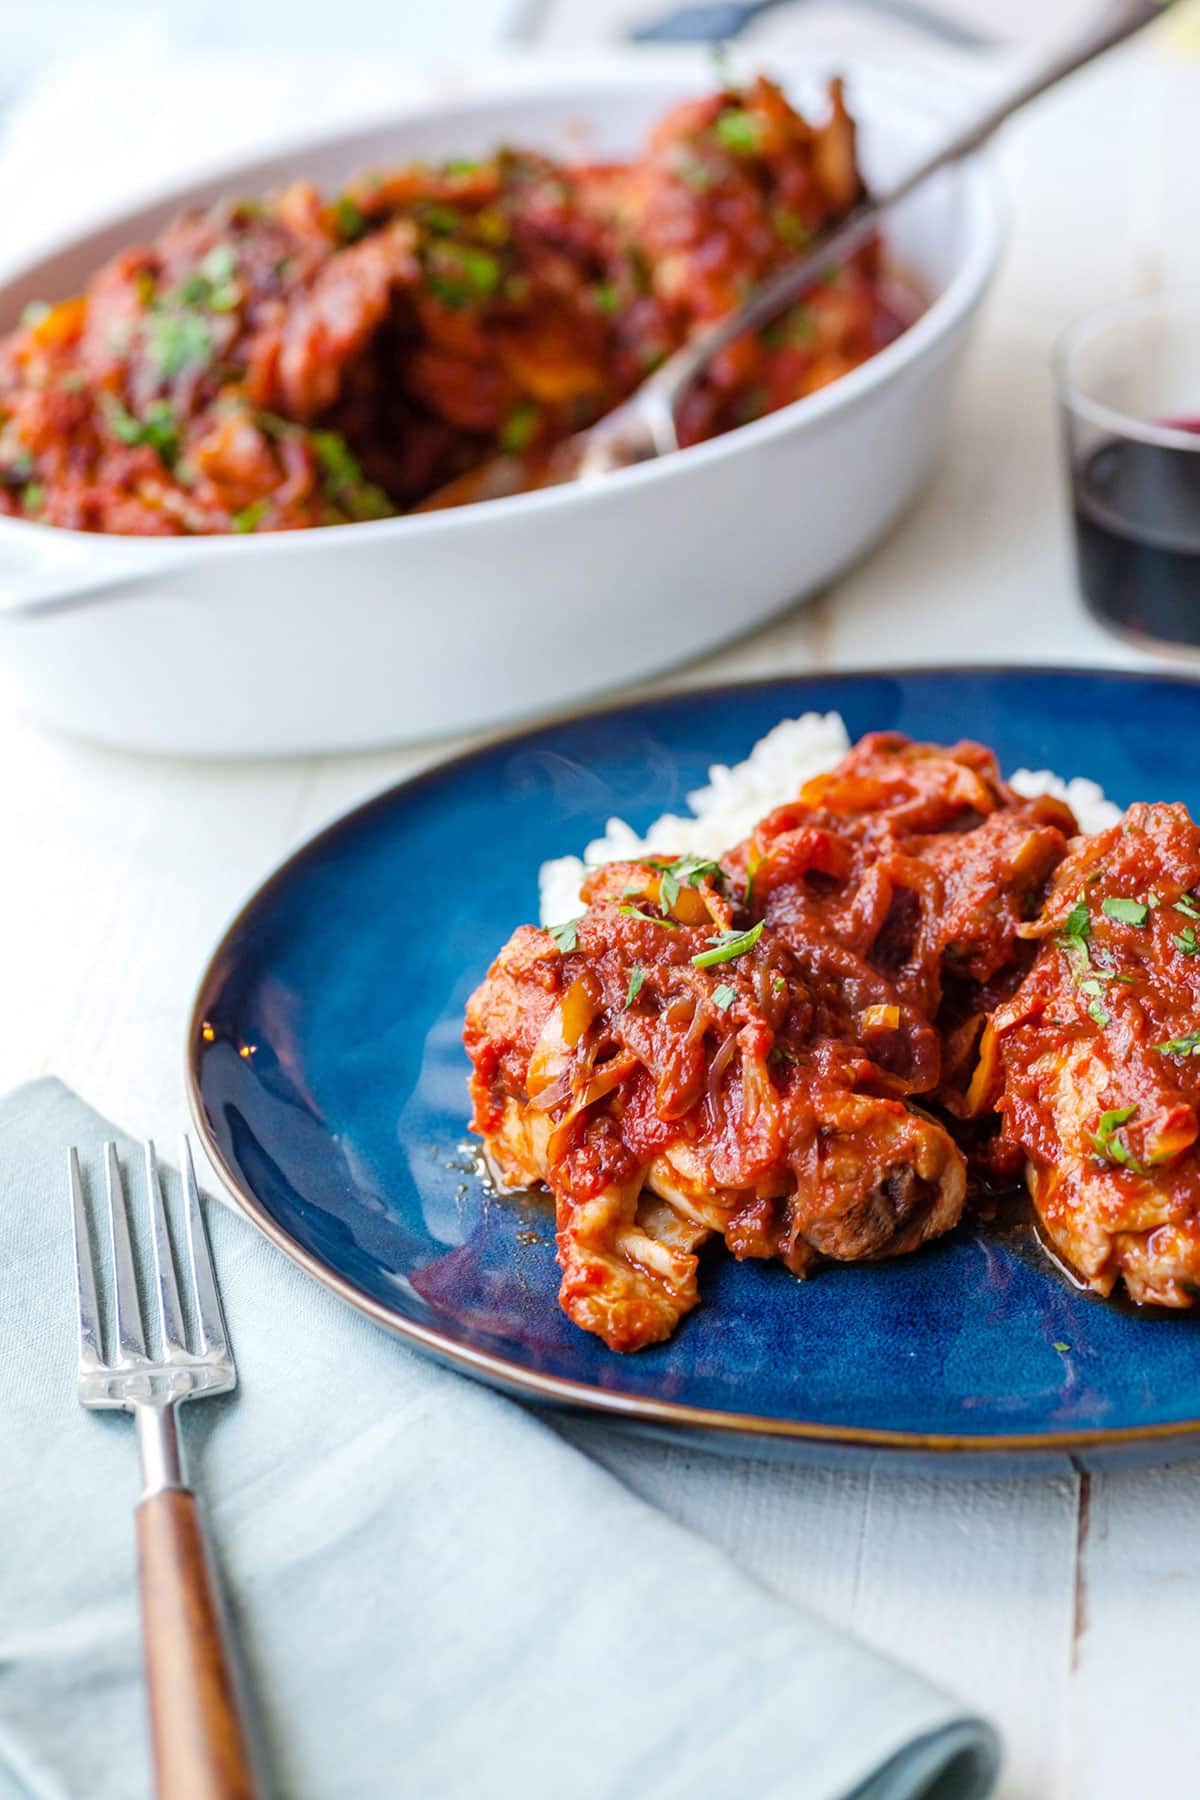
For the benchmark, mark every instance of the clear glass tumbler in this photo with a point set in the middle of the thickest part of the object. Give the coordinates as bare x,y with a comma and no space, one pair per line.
1129,391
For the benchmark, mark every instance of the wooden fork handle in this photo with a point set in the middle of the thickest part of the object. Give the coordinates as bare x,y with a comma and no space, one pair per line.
202,1749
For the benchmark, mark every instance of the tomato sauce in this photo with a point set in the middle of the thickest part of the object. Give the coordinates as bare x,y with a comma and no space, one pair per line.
305,360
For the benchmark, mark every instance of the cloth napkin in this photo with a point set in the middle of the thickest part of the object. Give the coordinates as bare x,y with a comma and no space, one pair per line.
436,1595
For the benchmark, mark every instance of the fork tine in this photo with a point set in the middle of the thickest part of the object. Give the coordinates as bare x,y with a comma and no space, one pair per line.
91,1343
170,1311
131,1336
204,1284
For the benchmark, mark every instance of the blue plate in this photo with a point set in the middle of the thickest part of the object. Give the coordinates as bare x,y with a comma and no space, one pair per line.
328,1081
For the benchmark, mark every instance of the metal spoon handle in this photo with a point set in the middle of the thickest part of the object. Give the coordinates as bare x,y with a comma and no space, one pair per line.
1118,20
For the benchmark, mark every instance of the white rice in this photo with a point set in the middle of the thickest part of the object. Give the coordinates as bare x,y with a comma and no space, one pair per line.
735,799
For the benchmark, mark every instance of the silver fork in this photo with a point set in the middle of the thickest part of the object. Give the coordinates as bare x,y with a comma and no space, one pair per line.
202,1749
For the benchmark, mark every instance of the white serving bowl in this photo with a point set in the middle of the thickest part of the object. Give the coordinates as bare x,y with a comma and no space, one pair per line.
368,634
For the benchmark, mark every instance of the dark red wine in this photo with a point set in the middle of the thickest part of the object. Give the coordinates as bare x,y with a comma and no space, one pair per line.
1137,526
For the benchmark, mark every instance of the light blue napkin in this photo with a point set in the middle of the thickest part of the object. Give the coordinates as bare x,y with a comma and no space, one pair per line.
436,1595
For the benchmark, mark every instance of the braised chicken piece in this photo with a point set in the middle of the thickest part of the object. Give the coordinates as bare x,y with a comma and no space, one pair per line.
738,1048
1095,1059
671,1070
919,862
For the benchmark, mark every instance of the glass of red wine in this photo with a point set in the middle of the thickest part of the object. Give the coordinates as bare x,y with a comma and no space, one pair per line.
1129,390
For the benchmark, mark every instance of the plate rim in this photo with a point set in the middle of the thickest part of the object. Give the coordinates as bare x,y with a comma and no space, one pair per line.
560,1390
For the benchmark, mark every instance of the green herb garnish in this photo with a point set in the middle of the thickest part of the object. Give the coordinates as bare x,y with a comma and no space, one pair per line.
343,480
724,996
1126,912
635,912
158,427
790,227
738,131
1187,905
519,427
1078,921
1073,938
689,869
728,945
1185,942
1108,1143
219,264
566,936
1188,1045
213,284
441,219
33,497
460,274
250,517
177,341
635,984
348,217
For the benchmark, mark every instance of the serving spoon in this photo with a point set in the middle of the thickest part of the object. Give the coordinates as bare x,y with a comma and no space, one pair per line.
644,426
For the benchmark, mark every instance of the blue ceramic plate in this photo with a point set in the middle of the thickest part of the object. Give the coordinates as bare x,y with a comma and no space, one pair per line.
328,1080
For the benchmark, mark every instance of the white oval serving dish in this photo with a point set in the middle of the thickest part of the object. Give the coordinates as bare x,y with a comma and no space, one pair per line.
402,628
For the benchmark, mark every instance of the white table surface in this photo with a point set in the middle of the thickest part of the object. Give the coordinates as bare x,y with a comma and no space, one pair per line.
1063,1606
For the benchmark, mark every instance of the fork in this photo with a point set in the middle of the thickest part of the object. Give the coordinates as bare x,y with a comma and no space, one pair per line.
201,1746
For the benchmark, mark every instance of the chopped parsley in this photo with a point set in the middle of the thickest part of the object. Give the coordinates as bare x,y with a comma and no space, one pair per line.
158,427
1096,1010
443,220
635,912
738,131
1073,938
790,227
724,996
1078,921
605,296
566,936
635,984
214,283
348,217
1188,1045
1187,905
343,480
33,497
250,517
461,274
518,428
728,945
1108,1143
673,875
1185,941
1126,912
177,342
